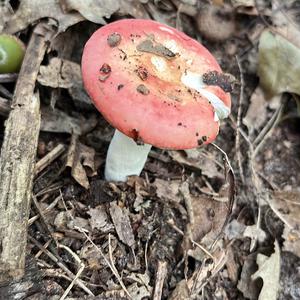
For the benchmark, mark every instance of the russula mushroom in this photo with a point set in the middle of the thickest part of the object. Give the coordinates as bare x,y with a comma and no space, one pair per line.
12,51
156,86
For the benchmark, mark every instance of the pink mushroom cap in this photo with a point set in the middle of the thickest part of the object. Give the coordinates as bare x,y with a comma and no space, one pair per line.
132,69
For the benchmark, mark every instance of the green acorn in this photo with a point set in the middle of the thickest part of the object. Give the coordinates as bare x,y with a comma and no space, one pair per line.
12,51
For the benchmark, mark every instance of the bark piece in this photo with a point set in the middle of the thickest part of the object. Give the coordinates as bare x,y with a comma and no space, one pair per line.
17,159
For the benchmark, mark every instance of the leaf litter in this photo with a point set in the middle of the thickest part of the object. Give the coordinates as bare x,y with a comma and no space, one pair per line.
180,213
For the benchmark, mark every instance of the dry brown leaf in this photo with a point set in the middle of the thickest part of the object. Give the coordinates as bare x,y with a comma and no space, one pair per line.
168,190
5,14
30,11
141,288
58,121
91,255
198,159
247,7
81,160
122,224
269,272
92,10
248,287
257,112
291,240
285,23
286,205
99,219
62,73
209,218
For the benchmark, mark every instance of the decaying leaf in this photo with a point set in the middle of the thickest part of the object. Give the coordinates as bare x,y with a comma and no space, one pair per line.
122,224
257,112
58,121
286,205
198,159
29,12
246,285
279,64
62,73
291,240
81,160
91,255
168,190
99,219
5,14
138,292
269,271
141,288
92,10
247,7
286,22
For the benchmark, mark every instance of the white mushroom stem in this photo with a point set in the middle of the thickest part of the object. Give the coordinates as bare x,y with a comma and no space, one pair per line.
124,157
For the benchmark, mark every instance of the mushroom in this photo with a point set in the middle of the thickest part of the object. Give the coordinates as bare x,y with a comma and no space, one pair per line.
156,86
12,51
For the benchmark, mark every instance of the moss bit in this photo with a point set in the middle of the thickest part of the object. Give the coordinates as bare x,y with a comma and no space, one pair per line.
12,51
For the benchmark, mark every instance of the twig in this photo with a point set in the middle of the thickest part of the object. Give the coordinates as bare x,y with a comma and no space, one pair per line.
9,77
160,278
81,265
58,261
49,158
267,130
47,209
4,107
112,267
238,124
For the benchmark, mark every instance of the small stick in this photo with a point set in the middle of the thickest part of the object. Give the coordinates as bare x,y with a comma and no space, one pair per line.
9,77
160,278
4,107
80,263
238,124
49,158
58,261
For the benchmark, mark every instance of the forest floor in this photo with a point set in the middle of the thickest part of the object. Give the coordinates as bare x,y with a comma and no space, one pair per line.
220,221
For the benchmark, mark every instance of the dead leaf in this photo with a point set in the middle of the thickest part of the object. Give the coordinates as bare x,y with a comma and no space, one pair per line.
92,10
62,73
255,234
122,224
198,159
99,219
62,218
89,253
269,271
247,7
78,222
138,292
257,111
285,22
141,288
81,160
279,64
286,205
246,285
168,190
29,12
291,240
5,13
58,121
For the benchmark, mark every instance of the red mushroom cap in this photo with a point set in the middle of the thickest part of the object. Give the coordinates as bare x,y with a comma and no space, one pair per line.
132,69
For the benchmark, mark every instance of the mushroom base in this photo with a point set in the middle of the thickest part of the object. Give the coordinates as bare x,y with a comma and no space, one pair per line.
124,157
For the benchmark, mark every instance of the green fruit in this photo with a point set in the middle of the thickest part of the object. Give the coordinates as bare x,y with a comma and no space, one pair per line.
11,53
